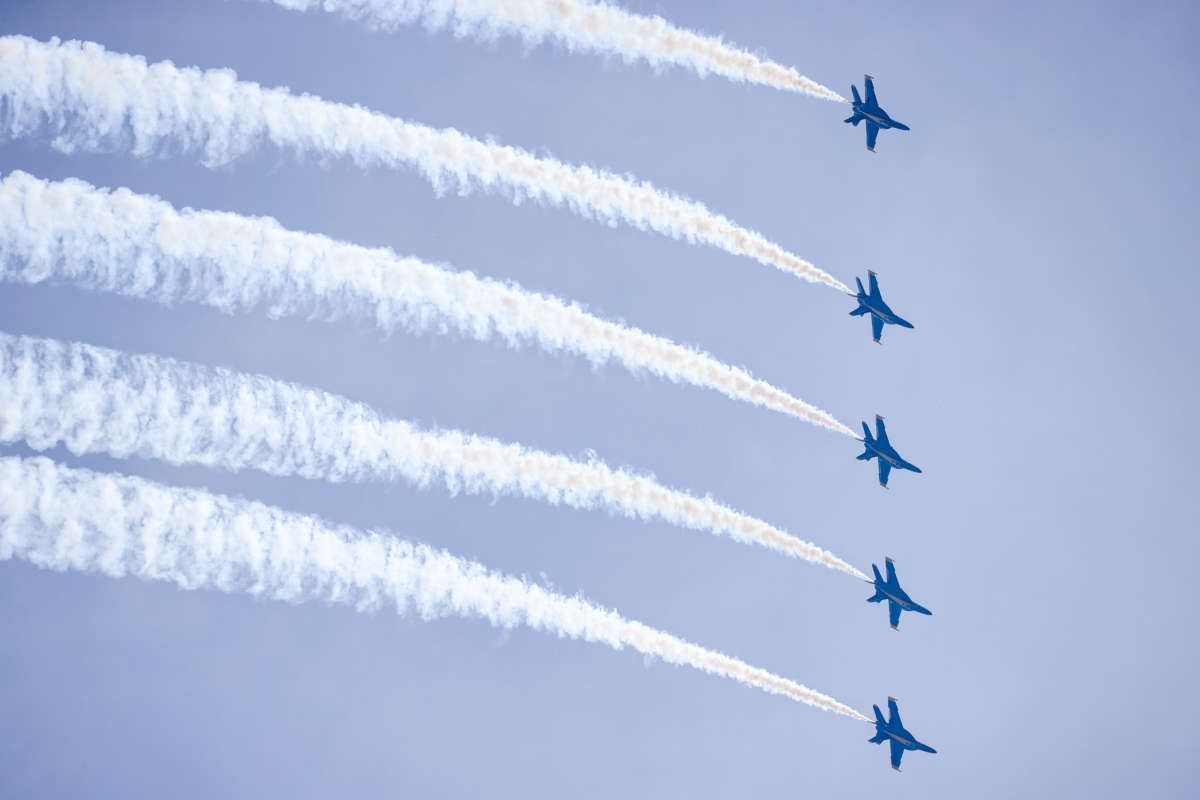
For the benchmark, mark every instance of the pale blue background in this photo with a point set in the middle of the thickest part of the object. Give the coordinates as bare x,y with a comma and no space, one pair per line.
1038,225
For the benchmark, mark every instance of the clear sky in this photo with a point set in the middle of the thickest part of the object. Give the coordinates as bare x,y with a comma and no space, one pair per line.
1038,225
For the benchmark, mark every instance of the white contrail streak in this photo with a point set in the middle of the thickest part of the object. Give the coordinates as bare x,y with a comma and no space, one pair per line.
87,98
72,519
579,25
140,246
96,400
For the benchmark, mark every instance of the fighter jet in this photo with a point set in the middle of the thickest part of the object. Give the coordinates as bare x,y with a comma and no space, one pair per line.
872,303
893,730
875,116
898,599
878,445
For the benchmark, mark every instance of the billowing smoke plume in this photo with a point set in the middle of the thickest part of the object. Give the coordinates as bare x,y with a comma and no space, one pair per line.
579,26
87,98
72,519
140,246
92,399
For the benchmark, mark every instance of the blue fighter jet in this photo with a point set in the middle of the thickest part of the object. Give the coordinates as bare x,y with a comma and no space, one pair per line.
872,303
879,446
875,116
898,599
894,733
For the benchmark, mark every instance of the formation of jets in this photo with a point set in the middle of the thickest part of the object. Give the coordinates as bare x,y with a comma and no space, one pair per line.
870,302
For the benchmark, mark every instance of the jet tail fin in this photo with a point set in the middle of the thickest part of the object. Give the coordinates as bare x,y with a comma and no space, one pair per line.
878,716
878,577
861,290
854,89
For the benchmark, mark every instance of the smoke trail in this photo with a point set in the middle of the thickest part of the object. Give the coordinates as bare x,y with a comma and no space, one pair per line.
72,519
579,25
87,98
140,246
93,399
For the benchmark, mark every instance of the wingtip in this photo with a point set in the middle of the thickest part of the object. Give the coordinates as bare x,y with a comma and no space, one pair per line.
888,559
894,700
868,77
878,417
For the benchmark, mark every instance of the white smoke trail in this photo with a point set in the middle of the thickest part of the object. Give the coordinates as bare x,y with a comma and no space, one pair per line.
140,246
92,400
73,519
87,98
579,25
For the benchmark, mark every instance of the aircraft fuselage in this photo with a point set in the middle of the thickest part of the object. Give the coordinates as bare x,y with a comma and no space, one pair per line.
878,117
884,314
899,598
891,458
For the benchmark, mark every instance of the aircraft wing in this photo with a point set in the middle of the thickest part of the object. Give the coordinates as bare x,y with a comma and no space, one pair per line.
894,614
881,432
897,754
870,86
876,328
894,714
872,133
891,571
885,469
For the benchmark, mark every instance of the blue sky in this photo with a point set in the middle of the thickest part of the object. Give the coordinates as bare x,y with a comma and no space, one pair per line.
1037,225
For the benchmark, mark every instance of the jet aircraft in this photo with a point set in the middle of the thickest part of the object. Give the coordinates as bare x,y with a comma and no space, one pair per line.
893,732
872,303
879,446
898,599
875,116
